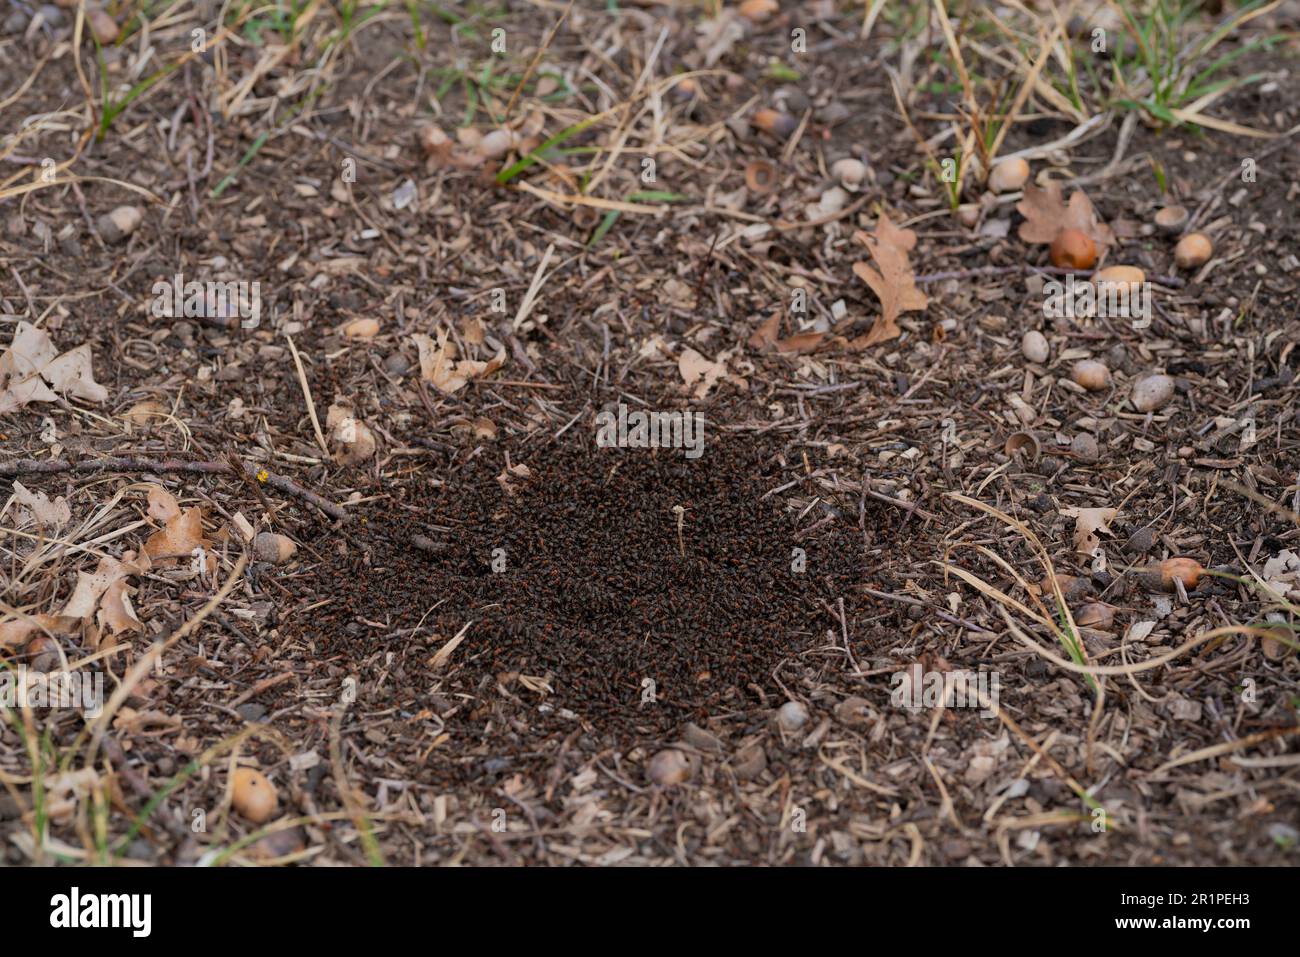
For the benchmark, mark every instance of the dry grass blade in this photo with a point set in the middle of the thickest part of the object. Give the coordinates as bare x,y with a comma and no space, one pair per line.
442,654
306,394
1228,747
535,287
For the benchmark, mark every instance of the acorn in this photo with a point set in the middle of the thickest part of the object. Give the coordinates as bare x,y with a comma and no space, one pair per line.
1095,614
120,223
252,795
668,767
850,173
1120,275
1009,175
1073,249
1171,219
756,11
1023,443
273,548
1193,251
585,217
686,89
1163,574
775,123
760,176
1091,374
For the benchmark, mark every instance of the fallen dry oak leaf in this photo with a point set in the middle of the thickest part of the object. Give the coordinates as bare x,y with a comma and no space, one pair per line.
32,370
354,443
35,507
520,472
802,343
1046,214
700,372
162,504
181,535
116,611
894,284
1087,523
106,589
15,632
439,370
767,332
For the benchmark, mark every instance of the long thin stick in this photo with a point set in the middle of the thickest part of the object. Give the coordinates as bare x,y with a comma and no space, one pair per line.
117,464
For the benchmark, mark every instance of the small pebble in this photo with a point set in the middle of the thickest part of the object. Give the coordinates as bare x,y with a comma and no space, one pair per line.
792,716
103,26
50,15
668,767
1034,346
1084,447
853,711
120,223
1152,392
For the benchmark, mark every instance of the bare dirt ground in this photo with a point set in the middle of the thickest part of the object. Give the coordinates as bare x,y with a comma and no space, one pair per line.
496,641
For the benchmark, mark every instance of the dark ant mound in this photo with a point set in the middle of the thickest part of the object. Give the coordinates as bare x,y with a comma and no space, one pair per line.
577,574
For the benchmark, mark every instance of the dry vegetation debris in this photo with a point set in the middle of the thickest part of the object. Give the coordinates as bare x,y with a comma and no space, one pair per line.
433,242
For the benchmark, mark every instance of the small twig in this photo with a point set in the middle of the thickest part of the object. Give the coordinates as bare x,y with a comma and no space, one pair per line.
882,497
117,464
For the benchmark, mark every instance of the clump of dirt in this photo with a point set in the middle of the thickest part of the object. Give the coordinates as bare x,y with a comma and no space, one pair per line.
577,575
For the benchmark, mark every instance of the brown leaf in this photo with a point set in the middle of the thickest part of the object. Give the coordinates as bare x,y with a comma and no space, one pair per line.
438,369
162,504
116,610
90,586
16,631
521,472
698,371
37,507
1046,214
183,534
894,284
801,343
765,335
1087,523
